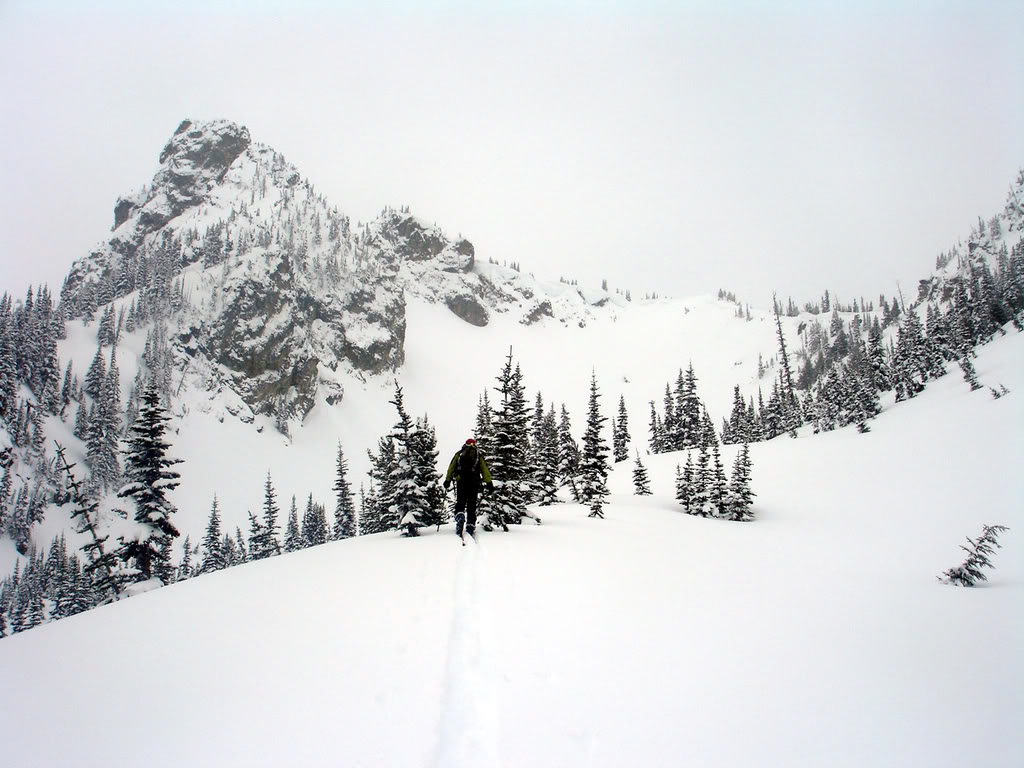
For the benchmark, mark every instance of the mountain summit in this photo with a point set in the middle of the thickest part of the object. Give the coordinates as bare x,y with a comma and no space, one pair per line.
274,288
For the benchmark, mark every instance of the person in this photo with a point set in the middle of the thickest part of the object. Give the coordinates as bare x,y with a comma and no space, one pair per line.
469,470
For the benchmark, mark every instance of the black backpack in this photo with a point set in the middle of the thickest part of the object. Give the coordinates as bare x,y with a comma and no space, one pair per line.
468,462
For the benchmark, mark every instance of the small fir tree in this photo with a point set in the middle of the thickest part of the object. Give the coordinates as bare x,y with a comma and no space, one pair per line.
741,496
621,438
213,546
641,483
293,536
979,555
344,508
594,464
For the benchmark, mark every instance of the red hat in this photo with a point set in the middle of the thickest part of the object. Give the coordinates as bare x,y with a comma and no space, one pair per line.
470,441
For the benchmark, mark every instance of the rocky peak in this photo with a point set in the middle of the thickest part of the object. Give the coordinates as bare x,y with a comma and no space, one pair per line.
192,163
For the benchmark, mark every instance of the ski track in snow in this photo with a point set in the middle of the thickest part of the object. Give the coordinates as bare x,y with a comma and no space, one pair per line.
468,730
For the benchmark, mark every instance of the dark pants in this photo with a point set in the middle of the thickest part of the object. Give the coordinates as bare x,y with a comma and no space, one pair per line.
465,501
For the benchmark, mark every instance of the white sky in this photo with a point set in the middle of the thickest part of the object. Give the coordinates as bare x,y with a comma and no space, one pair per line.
677,147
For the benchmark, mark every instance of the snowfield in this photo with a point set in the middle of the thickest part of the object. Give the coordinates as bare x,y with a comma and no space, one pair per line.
817,635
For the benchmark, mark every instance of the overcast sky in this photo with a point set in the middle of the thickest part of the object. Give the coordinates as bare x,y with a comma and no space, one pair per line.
677,147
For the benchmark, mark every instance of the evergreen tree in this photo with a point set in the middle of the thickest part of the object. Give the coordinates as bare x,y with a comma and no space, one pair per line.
979,555
95,376
240,546
670,427
369,511
700,494
102,564
737,431
508,461
378,517
185,568
740,494
548,460
424,455
293,536
344,509
594,465
213,546
689,411
621,438
407,502
81,428
150,477
657,441
257,539
789,412
568,455
970,375
271,543
314,524
718,492
105,333
641,483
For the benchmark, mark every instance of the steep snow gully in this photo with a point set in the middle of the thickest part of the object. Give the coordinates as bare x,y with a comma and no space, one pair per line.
468,730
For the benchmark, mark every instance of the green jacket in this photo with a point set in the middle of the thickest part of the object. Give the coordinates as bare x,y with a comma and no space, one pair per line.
482,468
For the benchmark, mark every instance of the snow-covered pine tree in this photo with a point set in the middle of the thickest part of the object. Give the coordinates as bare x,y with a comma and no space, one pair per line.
700,494
241,549
314,524
344,508
670,425
979,555
185,567
508,461
789,413
425,453
682,488
257,539
102,566
213,546
95,375
657,439
621,437
547,454
484,434
689,408
150,477
408,502
369,516
568,455
641,482
376,516
686,497
740,494
970,374
271,542
594,464
718,492
293,536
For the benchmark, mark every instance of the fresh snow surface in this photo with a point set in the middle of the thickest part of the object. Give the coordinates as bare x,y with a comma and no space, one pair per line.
817,635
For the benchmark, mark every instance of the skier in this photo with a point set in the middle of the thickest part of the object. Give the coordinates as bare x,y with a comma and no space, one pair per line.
468,469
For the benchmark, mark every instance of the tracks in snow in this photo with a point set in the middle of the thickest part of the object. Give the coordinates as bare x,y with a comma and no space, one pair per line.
468,732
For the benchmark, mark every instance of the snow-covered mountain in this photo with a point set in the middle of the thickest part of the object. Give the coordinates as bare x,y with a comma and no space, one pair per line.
273,289
274,323
277,329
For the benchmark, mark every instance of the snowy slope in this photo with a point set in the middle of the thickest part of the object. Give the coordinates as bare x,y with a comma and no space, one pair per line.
634,351
817,635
